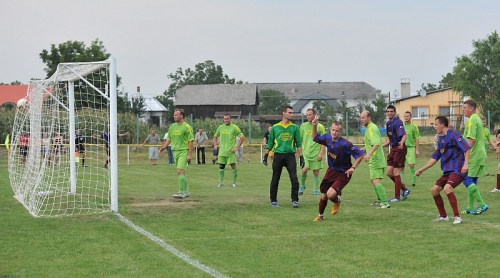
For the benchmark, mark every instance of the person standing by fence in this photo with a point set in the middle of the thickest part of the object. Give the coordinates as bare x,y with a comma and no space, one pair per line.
200,139
153,139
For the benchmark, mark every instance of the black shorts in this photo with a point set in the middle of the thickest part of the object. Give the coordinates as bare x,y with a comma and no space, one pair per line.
80,149
23,150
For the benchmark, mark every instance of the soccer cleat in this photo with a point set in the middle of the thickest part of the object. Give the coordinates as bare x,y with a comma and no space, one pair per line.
440,218
468,211
274,205
315,192
413,185
458,220
295,204
481,209
382,206
220,185
186,194
336,207
318,218
376,204
301,190
495,190
394,200
405,194
234,185
105,166
179,196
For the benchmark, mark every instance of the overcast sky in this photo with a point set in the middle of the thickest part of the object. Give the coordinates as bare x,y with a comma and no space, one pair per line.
262,41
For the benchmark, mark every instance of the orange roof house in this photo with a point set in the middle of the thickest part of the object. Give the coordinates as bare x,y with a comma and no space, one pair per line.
12,93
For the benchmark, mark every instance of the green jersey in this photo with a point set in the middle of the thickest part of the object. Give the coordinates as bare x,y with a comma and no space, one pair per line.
372,137
285,138
180,135
227,137
310,149
412,134
474,130
487,137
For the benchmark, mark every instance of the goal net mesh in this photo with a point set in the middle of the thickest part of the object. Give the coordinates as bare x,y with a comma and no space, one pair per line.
50,173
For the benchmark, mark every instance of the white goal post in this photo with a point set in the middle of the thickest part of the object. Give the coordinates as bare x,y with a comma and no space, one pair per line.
59,163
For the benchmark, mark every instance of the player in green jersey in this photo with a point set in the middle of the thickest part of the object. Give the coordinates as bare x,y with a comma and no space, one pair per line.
226,136
313,152
413,144
473,133
180,136
487,142
374,155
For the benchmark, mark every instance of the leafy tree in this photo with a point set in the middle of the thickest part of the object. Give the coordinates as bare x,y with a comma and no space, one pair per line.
478,75
272,102
123,104
138,105
447,81
204,73
380,104
325,110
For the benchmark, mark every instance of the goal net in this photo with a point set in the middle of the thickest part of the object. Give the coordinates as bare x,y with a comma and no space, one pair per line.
60,142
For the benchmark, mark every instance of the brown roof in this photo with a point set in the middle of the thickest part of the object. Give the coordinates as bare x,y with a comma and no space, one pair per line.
12,93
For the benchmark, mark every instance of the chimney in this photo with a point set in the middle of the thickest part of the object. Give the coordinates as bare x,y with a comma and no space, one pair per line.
138,89
405,87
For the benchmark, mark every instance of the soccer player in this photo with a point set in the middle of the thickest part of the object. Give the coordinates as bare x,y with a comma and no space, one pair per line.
340,168
180,134
413,146
80,145
396,158
58,145
23,146
374,155
153,139
487,142
497,148
285,139
227,146
200,139
313,152
473,133
105,137
453,151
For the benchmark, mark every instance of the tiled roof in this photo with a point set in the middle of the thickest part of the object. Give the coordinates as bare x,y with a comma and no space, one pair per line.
12,93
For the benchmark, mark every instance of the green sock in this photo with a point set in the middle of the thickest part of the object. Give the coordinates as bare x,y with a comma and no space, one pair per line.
376,194
186,189
381,193
470,197
235,175
303,180
182,182
316,182
476,195
402,175
221,176
413,177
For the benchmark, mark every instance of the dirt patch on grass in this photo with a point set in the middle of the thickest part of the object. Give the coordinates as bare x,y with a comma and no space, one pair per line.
166,202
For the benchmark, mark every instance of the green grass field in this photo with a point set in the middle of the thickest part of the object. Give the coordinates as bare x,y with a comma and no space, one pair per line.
236,233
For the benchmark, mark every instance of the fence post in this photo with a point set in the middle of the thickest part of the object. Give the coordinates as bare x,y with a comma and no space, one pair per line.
250,128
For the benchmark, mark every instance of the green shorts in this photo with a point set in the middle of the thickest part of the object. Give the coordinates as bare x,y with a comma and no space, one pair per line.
180,158
475,171
377,173
314,164
411,156
231,159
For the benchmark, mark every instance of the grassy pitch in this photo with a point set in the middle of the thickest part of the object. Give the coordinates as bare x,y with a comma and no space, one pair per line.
236,232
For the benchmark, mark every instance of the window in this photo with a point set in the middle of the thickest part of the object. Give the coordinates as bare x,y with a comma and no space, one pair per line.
420,112
444,111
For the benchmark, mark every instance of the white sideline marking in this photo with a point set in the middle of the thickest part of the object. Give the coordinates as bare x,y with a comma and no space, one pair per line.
171,249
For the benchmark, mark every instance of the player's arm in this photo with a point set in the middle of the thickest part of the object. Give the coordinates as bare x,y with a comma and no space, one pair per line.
427,165
167,142
465,168
214,143
353,167
143,143
369,154
417,147
242,138
386,143
123,134
190,150
403,140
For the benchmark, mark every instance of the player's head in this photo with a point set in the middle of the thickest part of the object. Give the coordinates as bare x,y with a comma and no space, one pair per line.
269,128
78,131
407,117
178,115
336,130
469,107
484,121
310,114
227,119
365,118
440,124
390,111
287,112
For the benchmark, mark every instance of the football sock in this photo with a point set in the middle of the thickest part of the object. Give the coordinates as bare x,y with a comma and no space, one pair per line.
376,194
316,182
221,176
235,175
470,198
303,179
498,182
397,187
476,195
453,203
182,182
186,189
322,205
413,177
381,193
438,200
335,199
83,161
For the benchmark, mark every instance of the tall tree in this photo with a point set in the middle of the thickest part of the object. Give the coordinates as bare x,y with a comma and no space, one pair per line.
272,102
204,73
378,113
325,110
446,81
138,105
478,75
